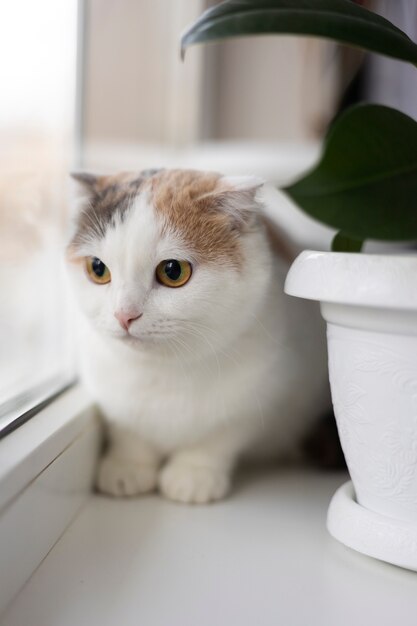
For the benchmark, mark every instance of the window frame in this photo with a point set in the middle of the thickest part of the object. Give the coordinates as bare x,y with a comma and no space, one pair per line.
25,405
47,468
22,407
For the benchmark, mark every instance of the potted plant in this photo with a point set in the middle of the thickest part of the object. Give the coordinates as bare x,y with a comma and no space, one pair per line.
365,186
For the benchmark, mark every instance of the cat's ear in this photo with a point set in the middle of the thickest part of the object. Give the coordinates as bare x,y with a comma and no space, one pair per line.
237,198
82,190
87,182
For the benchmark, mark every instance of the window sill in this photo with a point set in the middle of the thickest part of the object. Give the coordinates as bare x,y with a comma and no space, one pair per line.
46,470
263,556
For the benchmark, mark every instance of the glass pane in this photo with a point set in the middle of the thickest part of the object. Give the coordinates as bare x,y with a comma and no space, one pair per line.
37,106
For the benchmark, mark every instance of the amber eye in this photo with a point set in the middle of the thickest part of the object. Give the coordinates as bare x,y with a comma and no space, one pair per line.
97,271
173,273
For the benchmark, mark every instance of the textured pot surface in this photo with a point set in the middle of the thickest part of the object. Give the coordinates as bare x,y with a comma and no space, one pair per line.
370,305
373,378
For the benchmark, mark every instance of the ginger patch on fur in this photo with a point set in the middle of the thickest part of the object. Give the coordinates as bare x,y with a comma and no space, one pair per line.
190,204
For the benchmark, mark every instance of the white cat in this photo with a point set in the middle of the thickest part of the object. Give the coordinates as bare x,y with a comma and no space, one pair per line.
189,345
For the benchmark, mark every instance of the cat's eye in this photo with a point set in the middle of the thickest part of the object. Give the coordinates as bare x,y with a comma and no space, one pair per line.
173,273
97,271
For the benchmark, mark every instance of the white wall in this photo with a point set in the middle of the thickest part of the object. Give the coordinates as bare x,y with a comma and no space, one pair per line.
136,88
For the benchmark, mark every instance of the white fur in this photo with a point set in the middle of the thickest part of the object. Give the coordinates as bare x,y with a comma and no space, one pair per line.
225,365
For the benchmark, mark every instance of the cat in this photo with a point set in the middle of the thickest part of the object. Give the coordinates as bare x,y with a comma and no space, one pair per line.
189,346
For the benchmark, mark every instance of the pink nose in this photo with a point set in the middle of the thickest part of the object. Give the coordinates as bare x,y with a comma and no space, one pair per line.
125,318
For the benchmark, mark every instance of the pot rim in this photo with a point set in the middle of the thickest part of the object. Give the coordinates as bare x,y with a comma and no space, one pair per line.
375,280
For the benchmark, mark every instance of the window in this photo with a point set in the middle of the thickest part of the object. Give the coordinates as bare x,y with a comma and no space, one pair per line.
37,112
141,107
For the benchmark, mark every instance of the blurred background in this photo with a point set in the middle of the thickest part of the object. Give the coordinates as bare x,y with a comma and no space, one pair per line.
99,85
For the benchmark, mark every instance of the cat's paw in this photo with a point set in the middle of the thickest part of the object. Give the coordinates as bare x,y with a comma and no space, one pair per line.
121,477
192,484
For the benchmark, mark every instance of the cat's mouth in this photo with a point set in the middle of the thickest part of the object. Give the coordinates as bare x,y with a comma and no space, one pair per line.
128,335
125,336
143,338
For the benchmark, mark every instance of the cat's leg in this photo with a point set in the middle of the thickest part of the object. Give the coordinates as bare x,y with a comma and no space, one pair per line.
203,473
196,476
130,465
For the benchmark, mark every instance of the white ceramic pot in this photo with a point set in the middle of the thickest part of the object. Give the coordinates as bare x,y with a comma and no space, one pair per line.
370,305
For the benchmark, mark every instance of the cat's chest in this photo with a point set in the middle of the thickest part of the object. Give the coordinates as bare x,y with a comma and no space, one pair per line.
166,403
165,389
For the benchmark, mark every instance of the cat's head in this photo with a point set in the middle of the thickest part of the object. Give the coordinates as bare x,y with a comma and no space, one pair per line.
170,258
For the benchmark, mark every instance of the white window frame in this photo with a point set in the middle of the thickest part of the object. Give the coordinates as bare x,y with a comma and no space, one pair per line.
46,474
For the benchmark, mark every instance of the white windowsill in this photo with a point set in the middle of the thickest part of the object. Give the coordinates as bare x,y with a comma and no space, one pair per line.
261,557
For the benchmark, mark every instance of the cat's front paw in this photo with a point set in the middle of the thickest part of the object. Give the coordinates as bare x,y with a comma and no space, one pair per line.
191,484
121,477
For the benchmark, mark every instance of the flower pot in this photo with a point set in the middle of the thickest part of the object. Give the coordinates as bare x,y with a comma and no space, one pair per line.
370,305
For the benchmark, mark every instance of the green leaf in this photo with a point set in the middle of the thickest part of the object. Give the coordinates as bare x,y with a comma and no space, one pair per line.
366,181
340,20
344,243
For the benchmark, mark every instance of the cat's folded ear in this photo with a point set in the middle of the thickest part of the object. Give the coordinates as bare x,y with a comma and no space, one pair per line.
241,200
236,196
87,183
82,190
